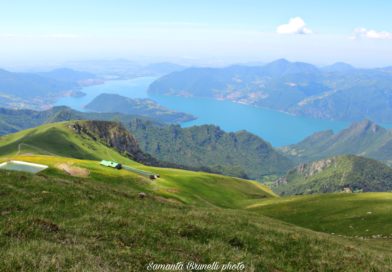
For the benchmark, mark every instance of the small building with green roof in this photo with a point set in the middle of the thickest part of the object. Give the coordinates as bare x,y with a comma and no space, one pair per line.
111,164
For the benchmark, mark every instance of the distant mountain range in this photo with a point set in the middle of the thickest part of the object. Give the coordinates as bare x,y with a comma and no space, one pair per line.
124,69
68,75
40,90
339,91
111,103
363,138
346,173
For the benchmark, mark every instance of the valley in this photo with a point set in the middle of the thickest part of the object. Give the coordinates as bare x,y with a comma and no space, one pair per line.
276,127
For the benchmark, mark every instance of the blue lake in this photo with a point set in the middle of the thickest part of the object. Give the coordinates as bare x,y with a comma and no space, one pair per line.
276,127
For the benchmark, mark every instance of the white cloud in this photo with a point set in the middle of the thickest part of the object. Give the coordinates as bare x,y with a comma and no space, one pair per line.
295,25
363,33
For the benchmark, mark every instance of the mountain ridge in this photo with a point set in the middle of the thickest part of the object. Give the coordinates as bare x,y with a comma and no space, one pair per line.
233,153
337,92
346,173
364,138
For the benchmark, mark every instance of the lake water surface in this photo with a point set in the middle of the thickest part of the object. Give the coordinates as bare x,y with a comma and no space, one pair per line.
276,127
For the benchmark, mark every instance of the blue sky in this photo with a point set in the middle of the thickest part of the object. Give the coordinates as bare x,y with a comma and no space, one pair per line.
197,31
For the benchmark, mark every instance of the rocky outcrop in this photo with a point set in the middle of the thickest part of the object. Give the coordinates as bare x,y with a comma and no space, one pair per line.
346,173
113,135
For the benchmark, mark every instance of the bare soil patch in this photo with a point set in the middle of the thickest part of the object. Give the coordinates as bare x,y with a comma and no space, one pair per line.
73,170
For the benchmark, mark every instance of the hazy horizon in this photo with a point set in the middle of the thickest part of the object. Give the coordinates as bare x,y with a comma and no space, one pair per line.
195,32
42,66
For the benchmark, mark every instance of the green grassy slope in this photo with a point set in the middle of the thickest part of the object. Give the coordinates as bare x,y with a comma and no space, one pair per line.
193,188
52,221
363,214
56,139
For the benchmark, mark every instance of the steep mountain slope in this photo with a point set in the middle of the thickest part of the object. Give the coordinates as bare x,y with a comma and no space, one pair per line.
336,174
363,138
338,92
238,154
142,107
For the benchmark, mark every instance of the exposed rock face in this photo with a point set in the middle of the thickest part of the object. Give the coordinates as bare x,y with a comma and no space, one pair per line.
116,136
281,181
307,170
313,168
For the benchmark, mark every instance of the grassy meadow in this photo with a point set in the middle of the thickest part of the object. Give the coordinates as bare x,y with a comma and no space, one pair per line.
92,218
360,214
53,221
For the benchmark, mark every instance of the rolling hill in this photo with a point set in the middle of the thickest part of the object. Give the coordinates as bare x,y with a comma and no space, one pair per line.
336,174
79,215
362,215
337,92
